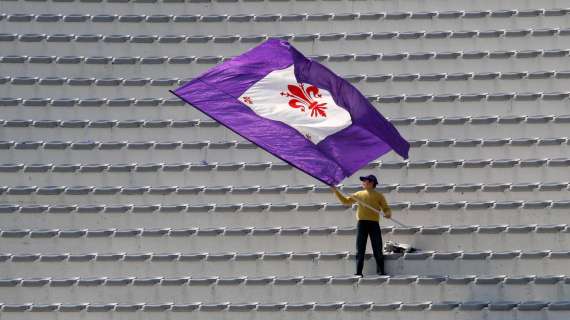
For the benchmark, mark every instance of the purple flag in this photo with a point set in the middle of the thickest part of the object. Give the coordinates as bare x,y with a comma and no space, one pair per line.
296,109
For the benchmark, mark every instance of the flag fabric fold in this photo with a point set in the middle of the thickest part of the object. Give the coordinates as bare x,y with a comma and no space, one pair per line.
296,109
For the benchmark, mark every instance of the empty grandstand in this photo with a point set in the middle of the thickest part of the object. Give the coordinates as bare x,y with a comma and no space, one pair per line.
119,201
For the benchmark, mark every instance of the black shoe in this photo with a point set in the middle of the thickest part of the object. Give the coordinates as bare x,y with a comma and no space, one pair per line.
381,273
359,274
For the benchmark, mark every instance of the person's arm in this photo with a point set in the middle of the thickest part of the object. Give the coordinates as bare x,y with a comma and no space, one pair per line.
344,200
385,207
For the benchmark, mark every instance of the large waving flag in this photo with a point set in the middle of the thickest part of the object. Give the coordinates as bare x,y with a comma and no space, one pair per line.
296,109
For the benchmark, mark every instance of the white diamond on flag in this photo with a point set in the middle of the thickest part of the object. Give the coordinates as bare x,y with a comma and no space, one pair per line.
310,110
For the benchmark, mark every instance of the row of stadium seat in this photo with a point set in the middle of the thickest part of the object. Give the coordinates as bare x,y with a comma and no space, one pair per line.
412,56
471,175
331,43
274,23
275,308
164,211
427,231
409,77
448,106
129,207
261,166
198,149
303,189
170,152
500,196
347,62
167,123
359,36
273,280
198,130
523,268
297,239
113,90
308,257
217,7
467,173
414,98
397,15
412,289
388,84
246,145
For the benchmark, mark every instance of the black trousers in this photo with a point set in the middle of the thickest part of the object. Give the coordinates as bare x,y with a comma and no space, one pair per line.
366,228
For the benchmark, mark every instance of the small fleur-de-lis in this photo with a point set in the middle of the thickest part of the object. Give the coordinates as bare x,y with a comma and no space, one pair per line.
247,100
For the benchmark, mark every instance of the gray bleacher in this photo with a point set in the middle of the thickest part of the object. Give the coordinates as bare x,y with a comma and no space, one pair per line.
117,201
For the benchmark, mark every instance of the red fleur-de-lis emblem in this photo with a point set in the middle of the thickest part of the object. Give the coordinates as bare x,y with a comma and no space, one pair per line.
247,100
305,99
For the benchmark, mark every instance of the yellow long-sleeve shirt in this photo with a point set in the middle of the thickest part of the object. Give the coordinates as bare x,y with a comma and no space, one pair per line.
373,198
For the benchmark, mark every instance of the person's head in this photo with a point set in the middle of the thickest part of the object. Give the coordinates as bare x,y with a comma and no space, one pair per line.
369,182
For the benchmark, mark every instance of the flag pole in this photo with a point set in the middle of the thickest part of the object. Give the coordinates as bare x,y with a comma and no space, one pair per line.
372,208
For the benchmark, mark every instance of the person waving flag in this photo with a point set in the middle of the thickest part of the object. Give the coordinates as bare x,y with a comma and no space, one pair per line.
296,109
